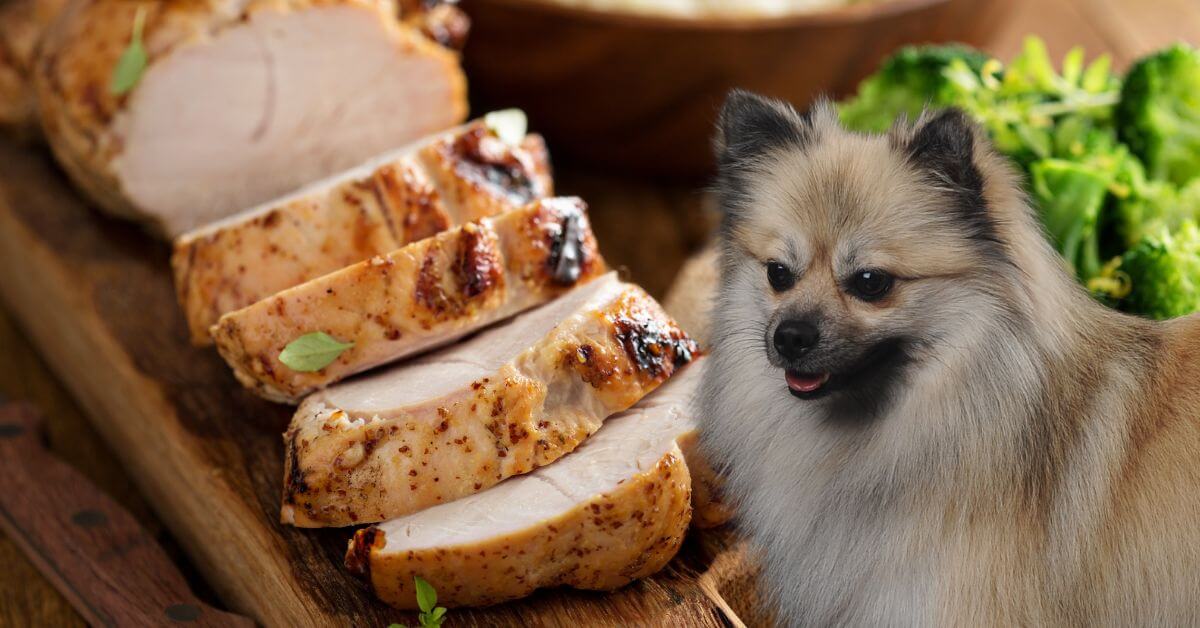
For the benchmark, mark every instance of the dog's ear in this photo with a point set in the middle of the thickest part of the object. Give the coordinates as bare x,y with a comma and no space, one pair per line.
750,125
943,144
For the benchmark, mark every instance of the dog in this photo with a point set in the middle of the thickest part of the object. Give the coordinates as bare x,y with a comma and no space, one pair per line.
921,417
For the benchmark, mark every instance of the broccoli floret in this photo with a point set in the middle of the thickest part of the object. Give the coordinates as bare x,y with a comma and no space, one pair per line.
1031,111
1159,113
1154,205
907,82
1070,196
1164,269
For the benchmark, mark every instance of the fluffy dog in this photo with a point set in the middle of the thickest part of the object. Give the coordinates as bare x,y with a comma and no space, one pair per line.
922,417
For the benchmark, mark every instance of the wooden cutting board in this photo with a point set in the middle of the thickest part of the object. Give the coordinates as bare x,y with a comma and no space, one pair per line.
95,296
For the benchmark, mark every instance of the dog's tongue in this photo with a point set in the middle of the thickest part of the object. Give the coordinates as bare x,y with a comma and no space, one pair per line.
805,382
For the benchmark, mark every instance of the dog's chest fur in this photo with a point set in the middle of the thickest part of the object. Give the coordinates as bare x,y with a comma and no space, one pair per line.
865,527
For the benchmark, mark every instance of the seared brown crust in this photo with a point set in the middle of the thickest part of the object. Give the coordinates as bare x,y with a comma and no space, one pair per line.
413,209
225,269
440,21
424,294
478,174
82,119
358,557
535,409
605,543
22,24
282,244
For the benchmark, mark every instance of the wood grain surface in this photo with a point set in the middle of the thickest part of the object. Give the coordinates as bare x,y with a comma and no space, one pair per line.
97,555
646,228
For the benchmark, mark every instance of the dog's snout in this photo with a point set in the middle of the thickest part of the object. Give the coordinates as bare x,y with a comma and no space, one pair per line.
794,338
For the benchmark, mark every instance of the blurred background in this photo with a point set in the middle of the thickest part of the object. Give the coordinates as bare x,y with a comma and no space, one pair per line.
625,92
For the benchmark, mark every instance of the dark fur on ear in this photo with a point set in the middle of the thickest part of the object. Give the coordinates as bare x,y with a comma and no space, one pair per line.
749,127
943,145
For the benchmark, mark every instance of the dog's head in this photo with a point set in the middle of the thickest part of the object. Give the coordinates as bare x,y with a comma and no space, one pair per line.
847,257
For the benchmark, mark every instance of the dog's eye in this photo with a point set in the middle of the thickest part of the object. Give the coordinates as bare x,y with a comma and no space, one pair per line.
779,276
869,285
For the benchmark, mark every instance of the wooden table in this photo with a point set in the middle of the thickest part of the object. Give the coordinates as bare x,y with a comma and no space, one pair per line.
645,228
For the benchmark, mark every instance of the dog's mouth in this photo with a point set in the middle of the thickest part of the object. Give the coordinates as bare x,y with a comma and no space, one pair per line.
873,371
806,385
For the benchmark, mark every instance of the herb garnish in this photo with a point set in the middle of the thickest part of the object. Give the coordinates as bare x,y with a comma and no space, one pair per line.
312,352
132,63
509,125
431,615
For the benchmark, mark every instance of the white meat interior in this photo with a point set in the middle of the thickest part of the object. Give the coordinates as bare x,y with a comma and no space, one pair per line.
628,444
454,368
274,103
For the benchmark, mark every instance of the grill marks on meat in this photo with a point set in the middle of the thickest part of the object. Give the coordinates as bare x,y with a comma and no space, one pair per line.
565,245
478,267
415,210
475,272
655,349
477,170
566,257
457,421
488,161
372,210
422,295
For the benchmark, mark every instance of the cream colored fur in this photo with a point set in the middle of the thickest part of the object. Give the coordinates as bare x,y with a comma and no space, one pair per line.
1039,461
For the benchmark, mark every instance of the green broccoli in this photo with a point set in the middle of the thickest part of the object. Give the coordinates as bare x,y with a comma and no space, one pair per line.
1159,113
1154,205
907,82
1032,111
1070,196
1164,269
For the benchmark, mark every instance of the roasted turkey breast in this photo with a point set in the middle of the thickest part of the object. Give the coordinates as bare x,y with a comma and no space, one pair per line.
22,23
241,101
400,197
612,511
451,423
417,297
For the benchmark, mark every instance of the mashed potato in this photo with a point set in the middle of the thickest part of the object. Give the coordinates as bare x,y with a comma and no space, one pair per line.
708,8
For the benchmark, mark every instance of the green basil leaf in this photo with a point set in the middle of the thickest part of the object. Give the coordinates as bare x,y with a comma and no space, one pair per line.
509,125
438,613
312,352
426,595
132,63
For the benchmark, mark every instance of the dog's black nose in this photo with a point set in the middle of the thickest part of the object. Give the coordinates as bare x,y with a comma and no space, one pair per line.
795,338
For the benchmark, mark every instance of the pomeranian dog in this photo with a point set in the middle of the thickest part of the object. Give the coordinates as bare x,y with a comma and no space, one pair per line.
923,419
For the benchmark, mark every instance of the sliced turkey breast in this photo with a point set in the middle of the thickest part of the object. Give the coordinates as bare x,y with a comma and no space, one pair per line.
425,294
371,210
241,101
22,23
612,511
509,400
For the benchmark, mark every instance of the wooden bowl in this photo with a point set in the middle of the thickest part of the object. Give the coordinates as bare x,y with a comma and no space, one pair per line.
639,94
